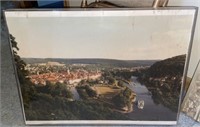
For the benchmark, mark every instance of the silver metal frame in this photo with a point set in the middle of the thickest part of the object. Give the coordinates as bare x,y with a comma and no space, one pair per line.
89,122
190,89
187,61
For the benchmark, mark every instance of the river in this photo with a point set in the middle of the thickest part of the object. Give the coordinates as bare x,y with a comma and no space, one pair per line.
151,111
75,92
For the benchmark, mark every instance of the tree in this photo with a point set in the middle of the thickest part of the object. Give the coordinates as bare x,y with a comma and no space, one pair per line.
127,92
60,89
82,92
111,81
123,98
90,91
20,64
119,100
27,88
120,84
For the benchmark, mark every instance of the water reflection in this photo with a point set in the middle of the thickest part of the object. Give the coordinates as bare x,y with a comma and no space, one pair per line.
151,110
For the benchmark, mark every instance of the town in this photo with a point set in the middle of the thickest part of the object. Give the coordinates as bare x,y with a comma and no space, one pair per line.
54,72
64,77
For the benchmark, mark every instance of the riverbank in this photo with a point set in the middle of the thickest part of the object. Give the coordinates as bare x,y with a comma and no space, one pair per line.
151,110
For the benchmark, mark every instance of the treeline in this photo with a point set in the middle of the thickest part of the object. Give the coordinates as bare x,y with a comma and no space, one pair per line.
126,74
112,75
47,107
86,91
58,89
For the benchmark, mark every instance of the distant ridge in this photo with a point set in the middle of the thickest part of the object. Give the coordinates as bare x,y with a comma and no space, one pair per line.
109,62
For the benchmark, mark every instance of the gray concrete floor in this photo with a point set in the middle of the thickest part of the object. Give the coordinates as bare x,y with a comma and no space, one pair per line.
10,108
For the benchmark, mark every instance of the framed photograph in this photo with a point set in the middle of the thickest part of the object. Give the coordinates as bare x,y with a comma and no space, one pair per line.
191,103
94,66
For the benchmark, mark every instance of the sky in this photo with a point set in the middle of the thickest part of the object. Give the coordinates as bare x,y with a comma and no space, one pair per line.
123,38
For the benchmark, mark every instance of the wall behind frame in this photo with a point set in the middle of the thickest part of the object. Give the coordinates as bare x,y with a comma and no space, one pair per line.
195,54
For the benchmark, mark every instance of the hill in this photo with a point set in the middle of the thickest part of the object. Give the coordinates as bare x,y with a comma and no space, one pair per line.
106,62
169,67
163,79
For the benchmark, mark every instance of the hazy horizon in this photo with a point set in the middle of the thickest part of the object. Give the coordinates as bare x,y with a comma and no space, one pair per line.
103,58
88,58
121,38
